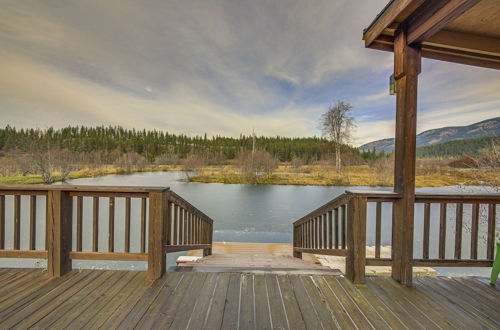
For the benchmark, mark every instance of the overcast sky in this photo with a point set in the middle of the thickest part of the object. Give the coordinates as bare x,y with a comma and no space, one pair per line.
215,66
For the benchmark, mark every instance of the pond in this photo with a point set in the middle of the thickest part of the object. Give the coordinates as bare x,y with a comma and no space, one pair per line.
264,213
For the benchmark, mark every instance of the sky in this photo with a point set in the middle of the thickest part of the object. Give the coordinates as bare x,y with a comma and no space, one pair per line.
221,67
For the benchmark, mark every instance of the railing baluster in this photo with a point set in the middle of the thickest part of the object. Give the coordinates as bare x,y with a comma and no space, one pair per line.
191,231
111,227
194,228
199,229
474,231
427,224
186,222
330,230
320,232
182,226
17,222
442,231
336,232
343,224
168,224
32,241
458,230
315,234
325,244
2,222
95,225
127,224
79,223
490,248
143,225
176,218
378,226
306,233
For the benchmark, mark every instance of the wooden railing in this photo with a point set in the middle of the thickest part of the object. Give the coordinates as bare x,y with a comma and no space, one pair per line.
340,228
155,219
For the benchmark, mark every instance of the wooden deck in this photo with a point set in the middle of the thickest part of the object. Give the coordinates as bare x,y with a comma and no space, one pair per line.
180,300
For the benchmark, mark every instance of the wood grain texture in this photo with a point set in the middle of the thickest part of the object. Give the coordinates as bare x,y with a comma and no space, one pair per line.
59,232
156,245
356,240
121,299
407,61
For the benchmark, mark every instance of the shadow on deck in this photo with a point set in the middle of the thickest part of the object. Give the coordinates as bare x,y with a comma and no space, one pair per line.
110,299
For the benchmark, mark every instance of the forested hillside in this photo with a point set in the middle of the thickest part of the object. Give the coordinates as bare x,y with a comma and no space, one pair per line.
456,148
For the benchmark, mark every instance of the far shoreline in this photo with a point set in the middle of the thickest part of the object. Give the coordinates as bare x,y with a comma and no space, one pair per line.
285,174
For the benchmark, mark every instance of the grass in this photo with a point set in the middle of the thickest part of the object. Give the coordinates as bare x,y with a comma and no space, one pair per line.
88,173
362,175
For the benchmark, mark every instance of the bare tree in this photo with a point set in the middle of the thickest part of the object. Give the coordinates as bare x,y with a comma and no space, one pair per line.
257,162
337,125
193,163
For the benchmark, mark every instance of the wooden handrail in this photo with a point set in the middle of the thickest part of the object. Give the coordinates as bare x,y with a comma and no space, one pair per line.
194,230
178,200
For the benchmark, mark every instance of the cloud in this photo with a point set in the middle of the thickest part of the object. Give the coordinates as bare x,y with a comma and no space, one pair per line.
220,67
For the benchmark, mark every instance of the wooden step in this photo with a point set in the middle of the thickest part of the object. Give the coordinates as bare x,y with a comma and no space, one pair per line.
253,263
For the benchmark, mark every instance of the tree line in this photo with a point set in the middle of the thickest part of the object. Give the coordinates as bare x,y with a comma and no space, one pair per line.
115,141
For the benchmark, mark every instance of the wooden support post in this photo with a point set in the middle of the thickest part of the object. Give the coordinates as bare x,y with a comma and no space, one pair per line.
158,216
407,62
59,232
356,240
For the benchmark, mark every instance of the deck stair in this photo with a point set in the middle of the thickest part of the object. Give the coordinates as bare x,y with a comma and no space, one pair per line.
254,263
253,258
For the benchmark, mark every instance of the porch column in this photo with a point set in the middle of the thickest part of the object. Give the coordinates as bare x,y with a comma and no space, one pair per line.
406,69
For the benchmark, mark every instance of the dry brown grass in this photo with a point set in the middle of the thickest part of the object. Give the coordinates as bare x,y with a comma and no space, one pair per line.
359,175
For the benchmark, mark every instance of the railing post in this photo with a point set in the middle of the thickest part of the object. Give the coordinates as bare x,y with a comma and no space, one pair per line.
59,232
296,242
356,239
158,218
209,235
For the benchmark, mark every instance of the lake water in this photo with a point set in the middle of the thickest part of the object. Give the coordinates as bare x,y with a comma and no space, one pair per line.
261,213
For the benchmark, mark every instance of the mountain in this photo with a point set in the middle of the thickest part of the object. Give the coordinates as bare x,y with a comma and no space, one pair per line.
485,128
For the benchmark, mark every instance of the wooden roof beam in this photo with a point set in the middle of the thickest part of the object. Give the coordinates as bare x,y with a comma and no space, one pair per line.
396,11
465,42
453,47
434,16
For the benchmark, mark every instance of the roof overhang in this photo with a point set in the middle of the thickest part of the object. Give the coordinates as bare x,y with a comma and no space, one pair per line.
460,31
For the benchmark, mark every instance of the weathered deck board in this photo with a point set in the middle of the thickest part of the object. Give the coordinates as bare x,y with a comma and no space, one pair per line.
190,300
